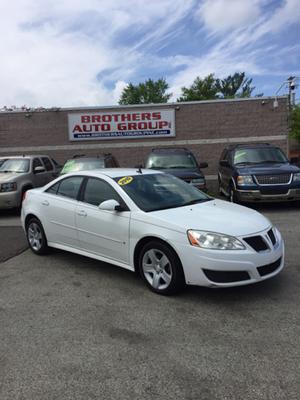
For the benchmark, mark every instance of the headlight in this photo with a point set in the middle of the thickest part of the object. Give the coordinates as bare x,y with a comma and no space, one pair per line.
244,180
198,181
296,177
214,241
8,187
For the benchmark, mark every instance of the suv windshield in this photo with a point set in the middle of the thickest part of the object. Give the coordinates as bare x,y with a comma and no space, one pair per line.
155,192
165,161
82,165
259,155
14,165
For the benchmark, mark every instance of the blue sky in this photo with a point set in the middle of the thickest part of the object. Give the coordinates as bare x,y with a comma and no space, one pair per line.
83,53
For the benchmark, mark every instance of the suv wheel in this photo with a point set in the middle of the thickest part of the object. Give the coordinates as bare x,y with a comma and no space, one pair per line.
232,194
161,269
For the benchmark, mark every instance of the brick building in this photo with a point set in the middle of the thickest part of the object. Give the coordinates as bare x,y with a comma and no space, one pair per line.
204,127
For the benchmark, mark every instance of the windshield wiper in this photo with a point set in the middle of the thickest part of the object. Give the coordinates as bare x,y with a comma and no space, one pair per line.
272,162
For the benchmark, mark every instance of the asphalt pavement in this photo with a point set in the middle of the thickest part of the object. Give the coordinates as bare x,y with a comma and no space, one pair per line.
74,328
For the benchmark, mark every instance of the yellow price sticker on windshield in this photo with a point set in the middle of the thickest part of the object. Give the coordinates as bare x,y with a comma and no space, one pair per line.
125,180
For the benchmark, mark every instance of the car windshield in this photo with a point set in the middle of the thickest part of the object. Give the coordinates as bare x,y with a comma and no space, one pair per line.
153,192
14,165
259,155
167,160
82,165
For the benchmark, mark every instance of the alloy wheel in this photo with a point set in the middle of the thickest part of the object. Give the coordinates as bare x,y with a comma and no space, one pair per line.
157,269
35,236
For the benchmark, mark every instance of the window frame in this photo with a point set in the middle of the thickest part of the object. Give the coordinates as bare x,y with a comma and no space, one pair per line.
83,187
59,183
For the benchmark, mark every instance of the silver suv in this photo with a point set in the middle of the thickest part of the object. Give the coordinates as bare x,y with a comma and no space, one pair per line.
20,173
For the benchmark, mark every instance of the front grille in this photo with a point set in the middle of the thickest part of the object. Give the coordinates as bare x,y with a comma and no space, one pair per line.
273,179
257,243
269,268
226,276
272,236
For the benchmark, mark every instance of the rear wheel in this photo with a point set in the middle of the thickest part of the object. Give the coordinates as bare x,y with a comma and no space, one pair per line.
36,237
161,269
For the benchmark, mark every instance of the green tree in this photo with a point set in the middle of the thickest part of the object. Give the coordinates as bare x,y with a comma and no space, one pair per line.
295,122
147,92
201,89
236,85
210,88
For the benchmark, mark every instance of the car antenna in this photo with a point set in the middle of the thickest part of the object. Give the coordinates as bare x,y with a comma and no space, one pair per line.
140,169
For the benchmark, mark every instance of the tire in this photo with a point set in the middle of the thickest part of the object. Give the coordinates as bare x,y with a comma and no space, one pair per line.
219,187
232,195
160,268
36,237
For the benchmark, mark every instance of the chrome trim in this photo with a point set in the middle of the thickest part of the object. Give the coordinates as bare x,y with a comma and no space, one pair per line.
273,184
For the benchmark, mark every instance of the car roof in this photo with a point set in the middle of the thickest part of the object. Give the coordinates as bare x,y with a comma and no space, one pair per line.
26,156
170,150
86,159
250,146
115,172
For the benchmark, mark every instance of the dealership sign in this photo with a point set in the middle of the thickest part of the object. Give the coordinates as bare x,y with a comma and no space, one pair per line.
122,124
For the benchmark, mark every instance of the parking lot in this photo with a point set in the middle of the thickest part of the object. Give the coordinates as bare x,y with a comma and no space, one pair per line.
75,328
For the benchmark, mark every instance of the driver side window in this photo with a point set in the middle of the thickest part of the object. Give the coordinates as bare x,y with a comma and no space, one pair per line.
96,191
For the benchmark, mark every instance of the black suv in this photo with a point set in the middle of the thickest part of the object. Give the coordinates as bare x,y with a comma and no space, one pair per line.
82,163
257,172
179,162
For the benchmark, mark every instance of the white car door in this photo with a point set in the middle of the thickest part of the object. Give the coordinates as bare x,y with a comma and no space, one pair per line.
105,233
59,204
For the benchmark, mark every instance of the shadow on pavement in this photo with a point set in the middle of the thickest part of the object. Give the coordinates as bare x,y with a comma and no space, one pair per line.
12,242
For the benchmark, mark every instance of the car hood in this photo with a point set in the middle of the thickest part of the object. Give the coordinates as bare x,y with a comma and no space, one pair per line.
8,176
266,169
214,216
184,173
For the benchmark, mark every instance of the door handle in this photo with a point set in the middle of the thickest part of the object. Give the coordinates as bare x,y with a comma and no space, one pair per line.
45,203
82,213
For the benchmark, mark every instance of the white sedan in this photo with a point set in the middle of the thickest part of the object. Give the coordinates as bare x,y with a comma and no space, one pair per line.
156,224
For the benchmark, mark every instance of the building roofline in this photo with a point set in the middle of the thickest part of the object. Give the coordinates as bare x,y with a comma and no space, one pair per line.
151,105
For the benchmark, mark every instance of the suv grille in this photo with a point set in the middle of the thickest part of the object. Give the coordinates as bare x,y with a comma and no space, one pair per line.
269,268
273,179
257,243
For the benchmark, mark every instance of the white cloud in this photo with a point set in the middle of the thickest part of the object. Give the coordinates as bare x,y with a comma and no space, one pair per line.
52,52
224,15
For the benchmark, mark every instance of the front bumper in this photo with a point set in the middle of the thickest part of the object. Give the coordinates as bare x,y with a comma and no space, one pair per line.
248,196
9,200
202,266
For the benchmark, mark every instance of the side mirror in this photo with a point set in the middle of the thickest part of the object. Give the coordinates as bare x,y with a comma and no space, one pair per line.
203,165
224,163
110,205
38,170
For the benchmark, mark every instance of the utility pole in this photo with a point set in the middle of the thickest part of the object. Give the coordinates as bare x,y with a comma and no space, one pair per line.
291,81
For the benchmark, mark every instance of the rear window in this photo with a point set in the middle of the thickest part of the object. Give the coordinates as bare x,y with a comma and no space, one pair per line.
171,160
82,165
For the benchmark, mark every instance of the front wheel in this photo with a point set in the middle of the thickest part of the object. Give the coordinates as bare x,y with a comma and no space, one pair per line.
36,237
161,268
232,195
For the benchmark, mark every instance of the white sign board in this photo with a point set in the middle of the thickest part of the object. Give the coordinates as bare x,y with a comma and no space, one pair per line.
121,125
